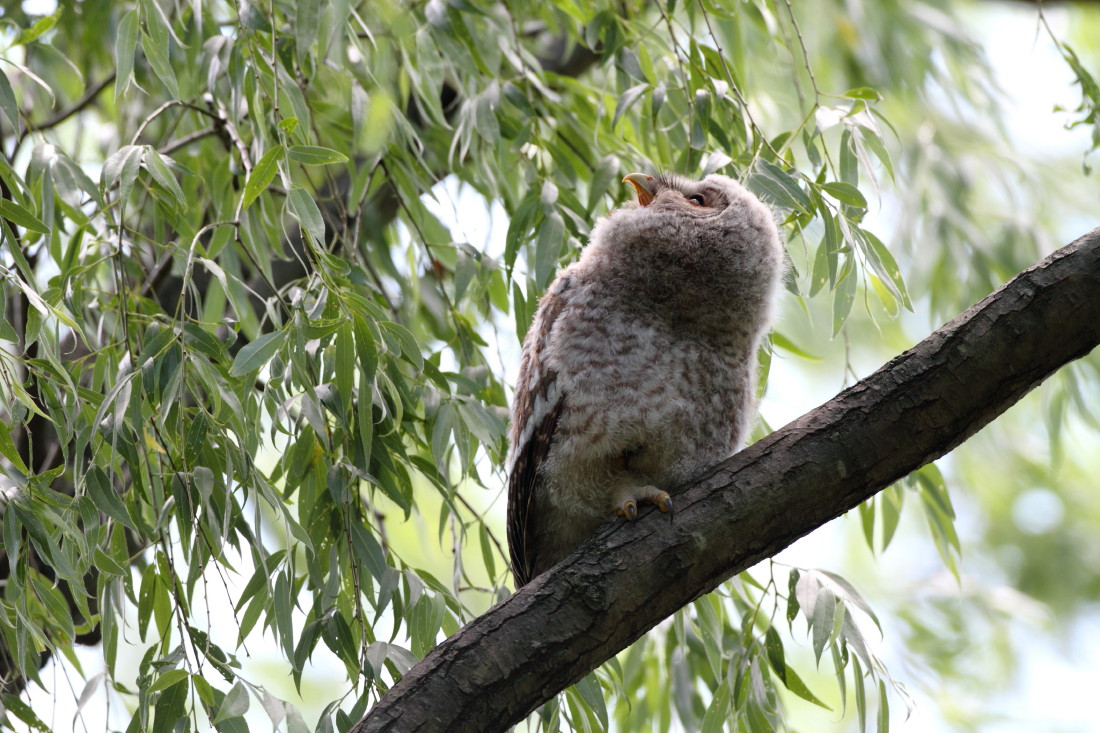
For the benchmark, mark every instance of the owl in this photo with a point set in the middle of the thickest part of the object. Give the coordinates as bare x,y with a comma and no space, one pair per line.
639,370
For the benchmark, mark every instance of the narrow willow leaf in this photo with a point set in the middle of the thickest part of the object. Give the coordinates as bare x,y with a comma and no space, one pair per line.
849,164
284,607
793,605
8,104
41,26
315,155
773,645
592,694
548,248
849,594
167,679
55,606
883,708
867,522
522,220
106,499
861,695
24,712
303,208
845,193
487,556
794,683
780,341
843,297
125,45
602,180
9,451
718,712
262,174
824,609
778,187
234,704
157,165
122,168
883,263
159,58
627,100
307,20
891,514
170,707
257,353
865,93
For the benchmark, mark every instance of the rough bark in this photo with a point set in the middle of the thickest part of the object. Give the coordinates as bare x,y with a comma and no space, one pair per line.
628,577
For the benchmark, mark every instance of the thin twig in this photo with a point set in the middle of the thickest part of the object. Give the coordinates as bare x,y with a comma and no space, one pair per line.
58,118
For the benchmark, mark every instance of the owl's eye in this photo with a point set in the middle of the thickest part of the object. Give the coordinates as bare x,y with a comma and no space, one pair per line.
697,200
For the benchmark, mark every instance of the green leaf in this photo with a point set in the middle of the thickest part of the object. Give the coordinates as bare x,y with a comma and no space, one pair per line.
19,216
307,19
9,451
170,707
41,26
303,208
24,712
159,58
105,498
627,100
794,683
167,679
157,165
846,193
315,155
122,168
8,104
883,263
843,297
883,708
718,712
865,93
234,704
487,556
590,691
262,174
782,342
548,248
125,45
257,353
849,164
850,595
824,608
778,187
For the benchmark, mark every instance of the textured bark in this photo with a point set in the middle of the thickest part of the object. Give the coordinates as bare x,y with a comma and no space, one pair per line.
629,577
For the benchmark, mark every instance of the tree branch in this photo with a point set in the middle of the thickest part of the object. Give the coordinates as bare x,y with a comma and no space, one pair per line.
77,106
628,577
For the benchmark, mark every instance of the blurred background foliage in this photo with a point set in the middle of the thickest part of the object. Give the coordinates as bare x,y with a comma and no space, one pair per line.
265,270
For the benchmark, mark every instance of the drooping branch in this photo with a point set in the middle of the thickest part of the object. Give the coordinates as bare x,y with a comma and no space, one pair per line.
628,577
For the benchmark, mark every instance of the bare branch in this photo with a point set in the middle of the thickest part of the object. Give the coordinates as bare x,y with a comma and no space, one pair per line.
61,116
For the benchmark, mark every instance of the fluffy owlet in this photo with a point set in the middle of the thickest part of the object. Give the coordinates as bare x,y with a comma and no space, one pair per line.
638,371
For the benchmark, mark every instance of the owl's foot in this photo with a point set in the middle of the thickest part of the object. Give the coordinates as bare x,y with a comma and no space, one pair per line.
649,495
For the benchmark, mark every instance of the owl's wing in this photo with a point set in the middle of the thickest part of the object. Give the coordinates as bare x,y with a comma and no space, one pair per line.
538,405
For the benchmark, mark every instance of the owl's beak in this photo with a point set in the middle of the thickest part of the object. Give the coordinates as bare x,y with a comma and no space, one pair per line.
643,186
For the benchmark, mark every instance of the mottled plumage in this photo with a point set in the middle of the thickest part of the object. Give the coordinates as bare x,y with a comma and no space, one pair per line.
638,371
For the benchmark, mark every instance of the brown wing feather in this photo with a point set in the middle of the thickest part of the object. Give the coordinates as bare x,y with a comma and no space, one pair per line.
536,408
523,487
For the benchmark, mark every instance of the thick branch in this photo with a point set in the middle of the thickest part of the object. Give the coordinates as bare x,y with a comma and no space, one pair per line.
627,578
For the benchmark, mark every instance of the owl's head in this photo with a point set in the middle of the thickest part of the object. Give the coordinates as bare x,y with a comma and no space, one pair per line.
712,227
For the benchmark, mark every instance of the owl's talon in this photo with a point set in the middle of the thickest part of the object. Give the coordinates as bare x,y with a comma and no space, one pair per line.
629,509
663,502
